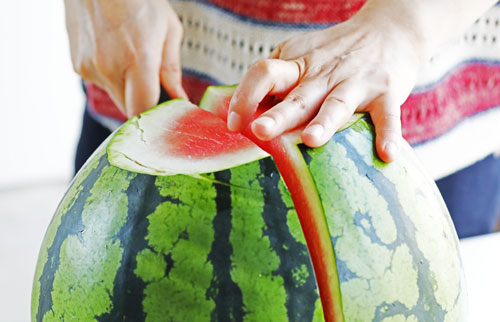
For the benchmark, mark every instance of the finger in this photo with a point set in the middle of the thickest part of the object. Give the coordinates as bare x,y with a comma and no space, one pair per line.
171,71
117,94
115,90
114,87
265,77
142,89
335,111
297,107
386,117
276,52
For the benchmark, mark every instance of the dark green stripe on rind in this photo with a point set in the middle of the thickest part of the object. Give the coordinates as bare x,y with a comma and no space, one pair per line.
70,224
67,203
295,230
253,261
78,279
267,241
295,266
225,293
128,291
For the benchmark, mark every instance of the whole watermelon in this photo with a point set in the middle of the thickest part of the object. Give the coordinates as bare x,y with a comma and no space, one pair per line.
179,220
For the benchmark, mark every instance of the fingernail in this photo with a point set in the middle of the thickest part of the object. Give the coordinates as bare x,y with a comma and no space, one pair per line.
315,130
265,121
233,121
391,148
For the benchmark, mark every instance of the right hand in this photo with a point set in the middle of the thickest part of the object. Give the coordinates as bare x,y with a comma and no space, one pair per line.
127,47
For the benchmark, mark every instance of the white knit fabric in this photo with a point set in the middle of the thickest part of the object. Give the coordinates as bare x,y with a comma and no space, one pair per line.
232,45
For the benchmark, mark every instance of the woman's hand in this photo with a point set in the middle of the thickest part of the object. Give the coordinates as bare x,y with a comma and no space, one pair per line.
366,64
127,47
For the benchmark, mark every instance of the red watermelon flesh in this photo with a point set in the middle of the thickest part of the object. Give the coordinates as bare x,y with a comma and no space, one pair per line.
208,138
179,138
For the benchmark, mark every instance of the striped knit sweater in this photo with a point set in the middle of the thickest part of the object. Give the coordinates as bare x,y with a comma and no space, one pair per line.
452,117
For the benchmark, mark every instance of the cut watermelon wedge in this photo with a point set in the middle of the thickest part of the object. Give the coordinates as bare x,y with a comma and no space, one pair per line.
177,137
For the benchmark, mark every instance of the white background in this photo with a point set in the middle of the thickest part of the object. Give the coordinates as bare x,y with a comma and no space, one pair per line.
40,97
41,106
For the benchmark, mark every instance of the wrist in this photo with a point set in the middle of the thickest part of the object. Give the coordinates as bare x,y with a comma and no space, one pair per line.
405,20
427,23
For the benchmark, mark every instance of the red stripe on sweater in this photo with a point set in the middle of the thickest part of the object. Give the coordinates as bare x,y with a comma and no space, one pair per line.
195,87
470,89
100,102
293,11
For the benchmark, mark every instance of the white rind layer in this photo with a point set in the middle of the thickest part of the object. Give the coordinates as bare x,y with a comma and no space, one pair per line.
137,146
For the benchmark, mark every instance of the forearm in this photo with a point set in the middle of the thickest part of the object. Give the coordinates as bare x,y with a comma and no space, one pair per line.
430,22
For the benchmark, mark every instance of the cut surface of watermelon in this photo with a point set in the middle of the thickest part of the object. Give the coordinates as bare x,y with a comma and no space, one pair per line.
177,137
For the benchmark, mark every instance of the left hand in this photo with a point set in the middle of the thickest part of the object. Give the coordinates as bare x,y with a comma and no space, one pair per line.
366,64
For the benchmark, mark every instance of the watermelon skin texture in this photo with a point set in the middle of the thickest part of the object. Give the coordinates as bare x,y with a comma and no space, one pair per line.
134,247
227,246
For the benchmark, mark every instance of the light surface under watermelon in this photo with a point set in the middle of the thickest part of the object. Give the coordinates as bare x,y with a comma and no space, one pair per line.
226,245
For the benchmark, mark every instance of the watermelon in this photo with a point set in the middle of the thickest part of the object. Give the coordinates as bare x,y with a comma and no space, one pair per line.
174,218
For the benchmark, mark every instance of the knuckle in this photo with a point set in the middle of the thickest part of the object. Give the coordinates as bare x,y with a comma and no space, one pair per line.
107,72
277,51
391,123
80,69
392,116
333,100
302,64
332,80
103,67
176,27
297,101
336,105
380,76
278,115
171,68
263,67
83,67
84,71
385,79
